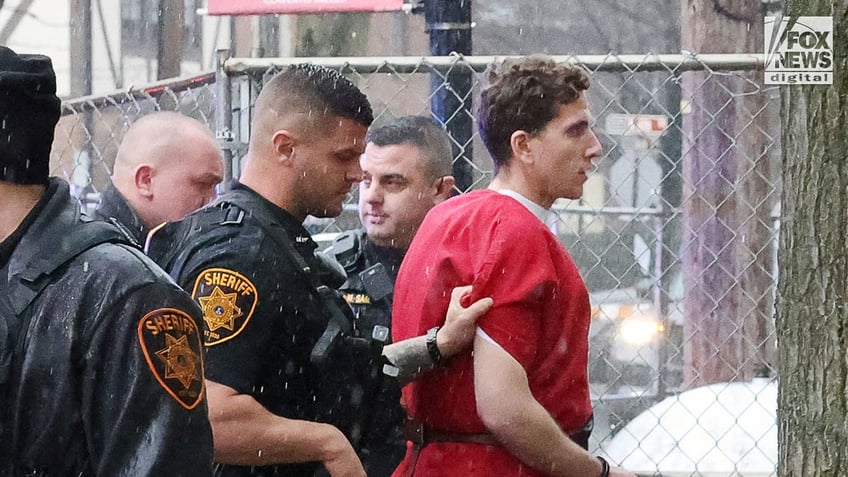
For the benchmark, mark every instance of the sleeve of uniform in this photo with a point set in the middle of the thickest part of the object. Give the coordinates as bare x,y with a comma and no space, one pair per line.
143,398
516,271
239,297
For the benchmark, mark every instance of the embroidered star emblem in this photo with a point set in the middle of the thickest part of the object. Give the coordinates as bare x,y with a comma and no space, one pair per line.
180,361
220,309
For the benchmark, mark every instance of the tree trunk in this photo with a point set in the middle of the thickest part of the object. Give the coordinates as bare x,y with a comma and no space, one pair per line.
170,38
812,312
729,192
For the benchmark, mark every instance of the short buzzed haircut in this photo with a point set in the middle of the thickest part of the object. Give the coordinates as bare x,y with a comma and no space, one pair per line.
423,133
152,136
524,94
316,90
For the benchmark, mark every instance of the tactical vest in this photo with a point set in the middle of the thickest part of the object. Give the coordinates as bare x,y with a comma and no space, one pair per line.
368,288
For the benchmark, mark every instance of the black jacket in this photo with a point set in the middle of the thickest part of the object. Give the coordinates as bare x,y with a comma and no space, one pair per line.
105,374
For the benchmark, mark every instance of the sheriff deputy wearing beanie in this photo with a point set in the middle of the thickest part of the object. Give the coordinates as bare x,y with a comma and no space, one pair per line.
101,362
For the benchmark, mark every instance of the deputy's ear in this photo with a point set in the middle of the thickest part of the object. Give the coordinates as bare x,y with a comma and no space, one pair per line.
444,188
143,180
519,141
283,141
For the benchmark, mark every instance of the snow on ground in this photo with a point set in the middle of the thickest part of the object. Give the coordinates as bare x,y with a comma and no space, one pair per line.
721,429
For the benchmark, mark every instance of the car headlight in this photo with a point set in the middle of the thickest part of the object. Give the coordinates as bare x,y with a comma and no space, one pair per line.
639,330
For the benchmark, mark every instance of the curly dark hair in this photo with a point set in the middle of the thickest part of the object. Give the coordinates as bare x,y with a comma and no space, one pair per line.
318,90
524,94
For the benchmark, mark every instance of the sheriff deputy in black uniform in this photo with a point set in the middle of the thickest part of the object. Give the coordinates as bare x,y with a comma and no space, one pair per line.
167,166
101,359
406,171
282,356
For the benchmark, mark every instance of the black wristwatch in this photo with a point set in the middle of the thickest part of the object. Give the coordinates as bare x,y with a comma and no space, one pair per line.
432,346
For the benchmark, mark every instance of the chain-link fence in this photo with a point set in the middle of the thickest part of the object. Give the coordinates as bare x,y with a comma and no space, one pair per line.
675,235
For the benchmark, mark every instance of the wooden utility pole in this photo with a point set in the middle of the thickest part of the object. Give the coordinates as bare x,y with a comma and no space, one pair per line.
81,84
80,48
170,39
812,308
269,35
729,190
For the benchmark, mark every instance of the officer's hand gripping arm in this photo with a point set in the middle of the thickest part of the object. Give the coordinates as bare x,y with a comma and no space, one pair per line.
410,358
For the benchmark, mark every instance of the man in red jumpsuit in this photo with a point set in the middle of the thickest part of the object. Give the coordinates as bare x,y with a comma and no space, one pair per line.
519,404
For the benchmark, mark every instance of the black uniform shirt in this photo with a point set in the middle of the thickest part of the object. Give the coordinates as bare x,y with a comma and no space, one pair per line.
261,315
106,370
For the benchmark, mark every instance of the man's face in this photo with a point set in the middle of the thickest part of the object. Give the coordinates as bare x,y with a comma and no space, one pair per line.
187,182
327,160
394,195
564,151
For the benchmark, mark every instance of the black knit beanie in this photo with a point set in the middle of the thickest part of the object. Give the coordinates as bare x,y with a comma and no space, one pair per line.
29,111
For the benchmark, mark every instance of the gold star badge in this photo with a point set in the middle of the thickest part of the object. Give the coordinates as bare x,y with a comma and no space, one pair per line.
227,299
180,361
220,309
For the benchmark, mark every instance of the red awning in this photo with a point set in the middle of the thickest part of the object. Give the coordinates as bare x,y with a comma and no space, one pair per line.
260,7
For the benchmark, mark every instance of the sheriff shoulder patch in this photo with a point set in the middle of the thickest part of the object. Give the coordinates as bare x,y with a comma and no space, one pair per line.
170,341
227,299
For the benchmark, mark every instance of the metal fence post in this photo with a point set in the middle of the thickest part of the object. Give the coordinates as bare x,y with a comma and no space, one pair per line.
668,240
224,115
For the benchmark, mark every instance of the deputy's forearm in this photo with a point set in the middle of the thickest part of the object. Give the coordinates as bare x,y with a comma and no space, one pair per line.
245,433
